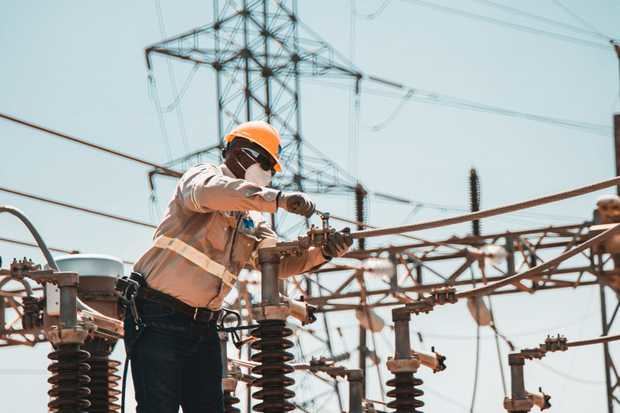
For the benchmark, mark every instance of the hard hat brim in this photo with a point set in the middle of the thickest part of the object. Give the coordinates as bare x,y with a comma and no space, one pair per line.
230,137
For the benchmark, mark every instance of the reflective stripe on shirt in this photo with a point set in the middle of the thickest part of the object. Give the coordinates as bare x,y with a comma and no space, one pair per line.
196,257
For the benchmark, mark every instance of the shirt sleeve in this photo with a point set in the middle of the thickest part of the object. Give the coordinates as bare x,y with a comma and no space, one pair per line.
308,261
204,188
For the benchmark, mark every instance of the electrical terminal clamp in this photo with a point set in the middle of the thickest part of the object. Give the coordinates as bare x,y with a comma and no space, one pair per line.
438,296
551,344
432,360
540,400
316,236
21,268
558,343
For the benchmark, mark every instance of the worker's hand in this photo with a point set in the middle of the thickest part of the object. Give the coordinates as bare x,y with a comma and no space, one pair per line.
296,203
337,244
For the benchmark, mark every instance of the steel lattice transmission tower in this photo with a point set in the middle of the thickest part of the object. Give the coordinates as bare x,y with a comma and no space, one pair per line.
259,50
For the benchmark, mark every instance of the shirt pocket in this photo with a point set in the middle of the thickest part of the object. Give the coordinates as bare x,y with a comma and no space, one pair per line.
245,245
217,232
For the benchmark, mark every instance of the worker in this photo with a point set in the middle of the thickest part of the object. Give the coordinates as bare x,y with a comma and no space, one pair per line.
211,230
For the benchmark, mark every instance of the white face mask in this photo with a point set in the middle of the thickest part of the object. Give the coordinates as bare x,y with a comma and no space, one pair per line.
258,175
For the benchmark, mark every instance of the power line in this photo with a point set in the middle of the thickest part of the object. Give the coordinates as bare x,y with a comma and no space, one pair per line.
178,174
533,16
90,145
173,84
55,249
174,104
445,398
521,215
520,334
436,98
477,358
520,27
354,96
583,22
154,94
500,360
93,146
373,15
403,102
32,244
568,376
78,208
432,97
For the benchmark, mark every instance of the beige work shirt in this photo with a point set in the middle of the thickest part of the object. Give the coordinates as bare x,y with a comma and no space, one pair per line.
211,230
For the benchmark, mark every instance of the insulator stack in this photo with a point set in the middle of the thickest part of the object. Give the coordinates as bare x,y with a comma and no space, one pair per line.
405,393
360,211
230,400
69,379
474,199
104,383
273,369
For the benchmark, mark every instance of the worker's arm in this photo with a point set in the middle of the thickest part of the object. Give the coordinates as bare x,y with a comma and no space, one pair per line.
336,245
309,260
204,188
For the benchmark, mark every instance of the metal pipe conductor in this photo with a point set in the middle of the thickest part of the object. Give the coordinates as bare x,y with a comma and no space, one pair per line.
269,261
488,212
355,378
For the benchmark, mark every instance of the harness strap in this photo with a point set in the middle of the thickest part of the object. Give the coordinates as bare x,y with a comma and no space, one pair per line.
196,257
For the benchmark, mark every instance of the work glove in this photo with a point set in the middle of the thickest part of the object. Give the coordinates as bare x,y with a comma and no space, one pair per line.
267,237
337,244
296,203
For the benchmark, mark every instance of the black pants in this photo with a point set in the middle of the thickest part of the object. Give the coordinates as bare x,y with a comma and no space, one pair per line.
174,362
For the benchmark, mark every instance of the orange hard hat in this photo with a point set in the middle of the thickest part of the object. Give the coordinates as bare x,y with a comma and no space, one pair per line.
262,134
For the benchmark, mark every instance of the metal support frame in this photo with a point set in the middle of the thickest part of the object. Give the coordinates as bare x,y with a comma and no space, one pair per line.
519,402
617,141
612,378
356,390
427,266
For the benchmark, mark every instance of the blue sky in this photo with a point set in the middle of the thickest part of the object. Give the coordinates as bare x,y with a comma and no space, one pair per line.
79,67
